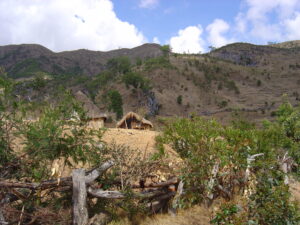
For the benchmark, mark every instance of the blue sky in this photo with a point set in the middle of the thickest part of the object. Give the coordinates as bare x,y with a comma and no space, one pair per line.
189,26
168,16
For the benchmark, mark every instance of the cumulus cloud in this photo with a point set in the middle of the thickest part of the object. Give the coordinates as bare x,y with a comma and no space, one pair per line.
66,25
270,19
188,40
148,3
293,27
216,32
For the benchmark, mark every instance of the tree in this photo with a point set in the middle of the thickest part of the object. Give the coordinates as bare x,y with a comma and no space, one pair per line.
116,103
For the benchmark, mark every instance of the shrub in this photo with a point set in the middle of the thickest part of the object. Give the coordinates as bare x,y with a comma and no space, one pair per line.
222,104
120,65
207,146
179,99
166,49
58,134
158,62
136,80
8,105
99,81
258,83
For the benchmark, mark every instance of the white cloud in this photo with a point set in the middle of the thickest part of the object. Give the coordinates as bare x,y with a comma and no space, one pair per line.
156,40
66,25
216,31
148,3
293,27
188,40
266,20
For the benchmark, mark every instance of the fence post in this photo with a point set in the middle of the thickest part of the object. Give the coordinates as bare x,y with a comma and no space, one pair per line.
80,212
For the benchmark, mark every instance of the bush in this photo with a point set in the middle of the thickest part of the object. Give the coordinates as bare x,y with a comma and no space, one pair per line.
59,134
115,103
158,62
98,82
258,83
8,106
136,80
166,49
207,146
179,99
232,86
120,65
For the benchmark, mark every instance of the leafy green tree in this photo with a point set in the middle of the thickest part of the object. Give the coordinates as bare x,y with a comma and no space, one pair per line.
115,103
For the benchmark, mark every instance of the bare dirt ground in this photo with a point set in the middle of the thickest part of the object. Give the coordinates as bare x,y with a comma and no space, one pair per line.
140,140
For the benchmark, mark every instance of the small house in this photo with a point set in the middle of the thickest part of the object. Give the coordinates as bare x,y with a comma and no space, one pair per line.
134,121
95,119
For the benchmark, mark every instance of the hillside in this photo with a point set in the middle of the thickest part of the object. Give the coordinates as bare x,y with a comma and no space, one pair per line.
24,60
240,76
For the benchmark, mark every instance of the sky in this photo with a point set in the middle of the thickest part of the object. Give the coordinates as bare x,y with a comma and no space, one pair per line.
188,26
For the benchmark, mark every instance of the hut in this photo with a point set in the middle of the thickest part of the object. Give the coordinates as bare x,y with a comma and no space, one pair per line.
95,119
134,121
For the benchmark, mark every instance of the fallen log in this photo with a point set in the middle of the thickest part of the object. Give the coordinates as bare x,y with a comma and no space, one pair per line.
172,181
66,181
99,193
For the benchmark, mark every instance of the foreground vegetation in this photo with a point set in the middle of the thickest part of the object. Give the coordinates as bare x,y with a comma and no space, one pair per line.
250,168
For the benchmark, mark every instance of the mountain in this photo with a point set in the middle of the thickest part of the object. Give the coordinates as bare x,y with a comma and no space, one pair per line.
24,60
238,78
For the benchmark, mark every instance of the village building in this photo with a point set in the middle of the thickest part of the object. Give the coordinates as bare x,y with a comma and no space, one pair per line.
95,119
134,121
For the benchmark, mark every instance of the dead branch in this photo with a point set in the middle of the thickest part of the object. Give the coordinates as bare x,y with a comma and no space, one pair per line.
250,159
211,182
94,174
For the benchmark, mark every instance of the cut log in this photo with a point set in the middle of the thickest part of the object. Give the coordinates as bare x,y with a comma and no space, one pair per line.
80,213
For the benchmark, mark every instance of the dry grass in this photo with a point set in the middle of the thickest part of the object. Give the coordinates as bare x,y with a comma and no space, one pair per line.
198,215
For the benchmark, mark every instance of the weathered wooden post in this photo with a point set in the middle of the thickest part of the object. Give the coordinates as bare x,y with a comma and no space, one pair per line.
80,212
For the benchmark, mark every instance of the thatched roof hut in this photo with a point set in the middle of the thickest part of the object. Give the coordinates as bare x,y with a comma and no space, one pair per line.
134,121
95,118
